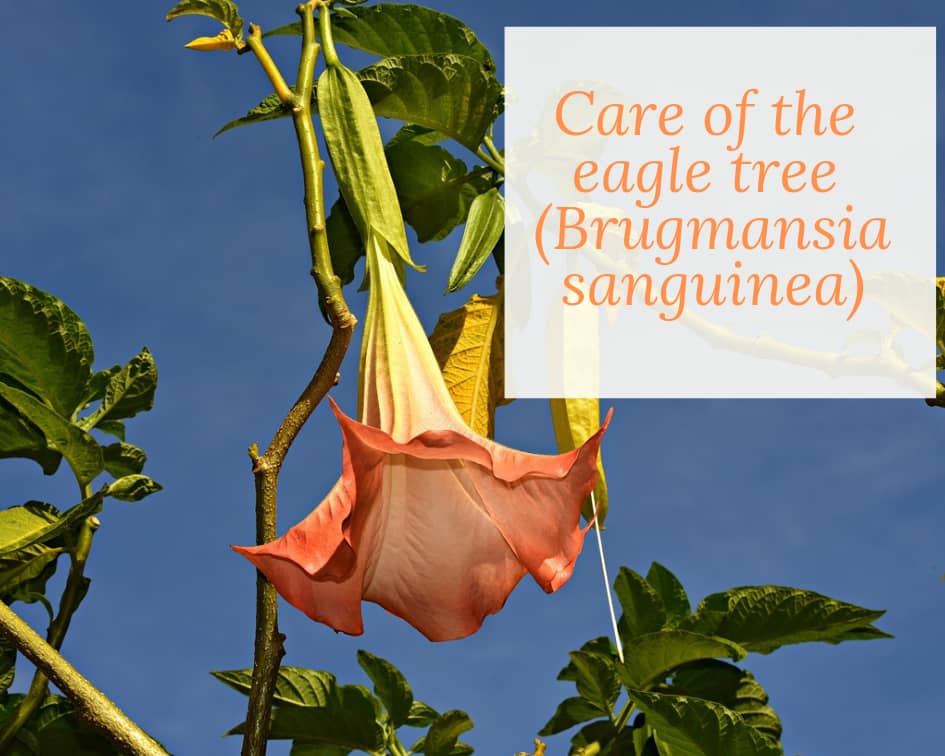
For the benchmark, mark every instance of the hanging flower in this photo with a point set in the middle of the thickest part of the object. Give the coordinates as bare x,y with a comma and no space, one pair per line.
429,520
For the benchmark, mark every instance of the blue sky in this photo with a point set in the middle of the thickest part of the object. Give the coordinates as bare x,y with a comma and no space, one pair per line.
116,199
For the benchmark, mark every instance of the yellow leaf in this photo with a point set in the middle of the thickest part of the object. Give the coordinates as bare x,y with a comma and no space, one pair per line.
575,421
469,346
223,41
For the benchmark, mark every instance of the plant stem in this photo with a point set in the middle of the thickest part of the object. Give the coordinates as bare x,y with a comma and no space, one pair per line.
268,647
324,24
490,161
496,155
72,595
93,705
624,716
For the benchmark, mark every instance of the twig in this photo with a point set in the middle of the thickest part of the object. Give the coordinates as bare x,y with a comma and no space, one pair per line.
90,702
268,648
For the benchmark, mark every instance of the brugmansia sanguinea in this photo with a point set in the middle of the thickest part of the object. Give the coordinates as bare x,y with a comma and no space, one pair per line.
429,520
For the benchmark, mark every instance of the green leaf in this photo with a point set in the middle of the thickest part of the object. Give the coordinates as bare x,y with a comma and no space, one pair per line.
295,686
599,646
20,438
38,522
128,392
596,680
357,156
270,108
671,592
347,720
649,658
596,734
58,730
416,134
570,711
7,664
27,570
643,610
734,688
223,11
692,727
133,488
124,459
80,450
764,618
484,228
445,731
434,189
421,715
390,686
392,29
45,349
453,94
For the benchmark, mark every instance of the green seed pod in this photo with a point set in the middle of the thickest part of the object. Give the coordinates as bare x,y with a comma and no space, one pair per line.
357,156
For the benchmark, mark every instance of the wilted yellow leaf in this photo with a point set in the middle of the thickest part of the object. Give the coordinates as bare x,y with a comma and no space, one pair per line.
575,421
223,41
469,346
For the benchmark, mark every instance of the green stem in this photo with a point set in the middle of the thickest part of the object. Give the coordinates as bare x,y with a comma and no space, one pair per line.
497,156
490,161
624,716
93,705
268,647
328,41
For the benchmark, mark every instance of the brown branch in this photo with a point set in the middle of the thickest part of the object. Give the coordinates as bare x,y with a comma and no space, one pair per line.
93,705
268,647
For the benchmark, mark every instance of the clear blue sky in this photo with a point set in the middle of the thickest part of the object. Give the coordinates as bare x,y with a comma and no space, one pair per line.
116,199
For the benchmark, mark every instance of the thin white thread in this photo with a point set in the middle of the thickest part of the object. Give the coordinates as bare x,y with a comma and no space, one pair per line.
603,567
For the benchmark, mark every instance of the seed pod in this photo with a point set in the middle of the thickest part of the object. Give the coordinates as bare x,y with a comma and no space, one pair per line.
357,156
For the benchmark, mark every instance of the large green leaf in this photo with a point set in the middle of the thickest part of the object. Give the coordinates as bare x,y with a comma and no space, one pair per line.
45,348
223,11
596,680
390,686
388,29
81,451
671,592
764,618
591,738
649,658
39,523
643,610
453,94
434,188
20,438
693,727
484,227
732,687
347,719
295,686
